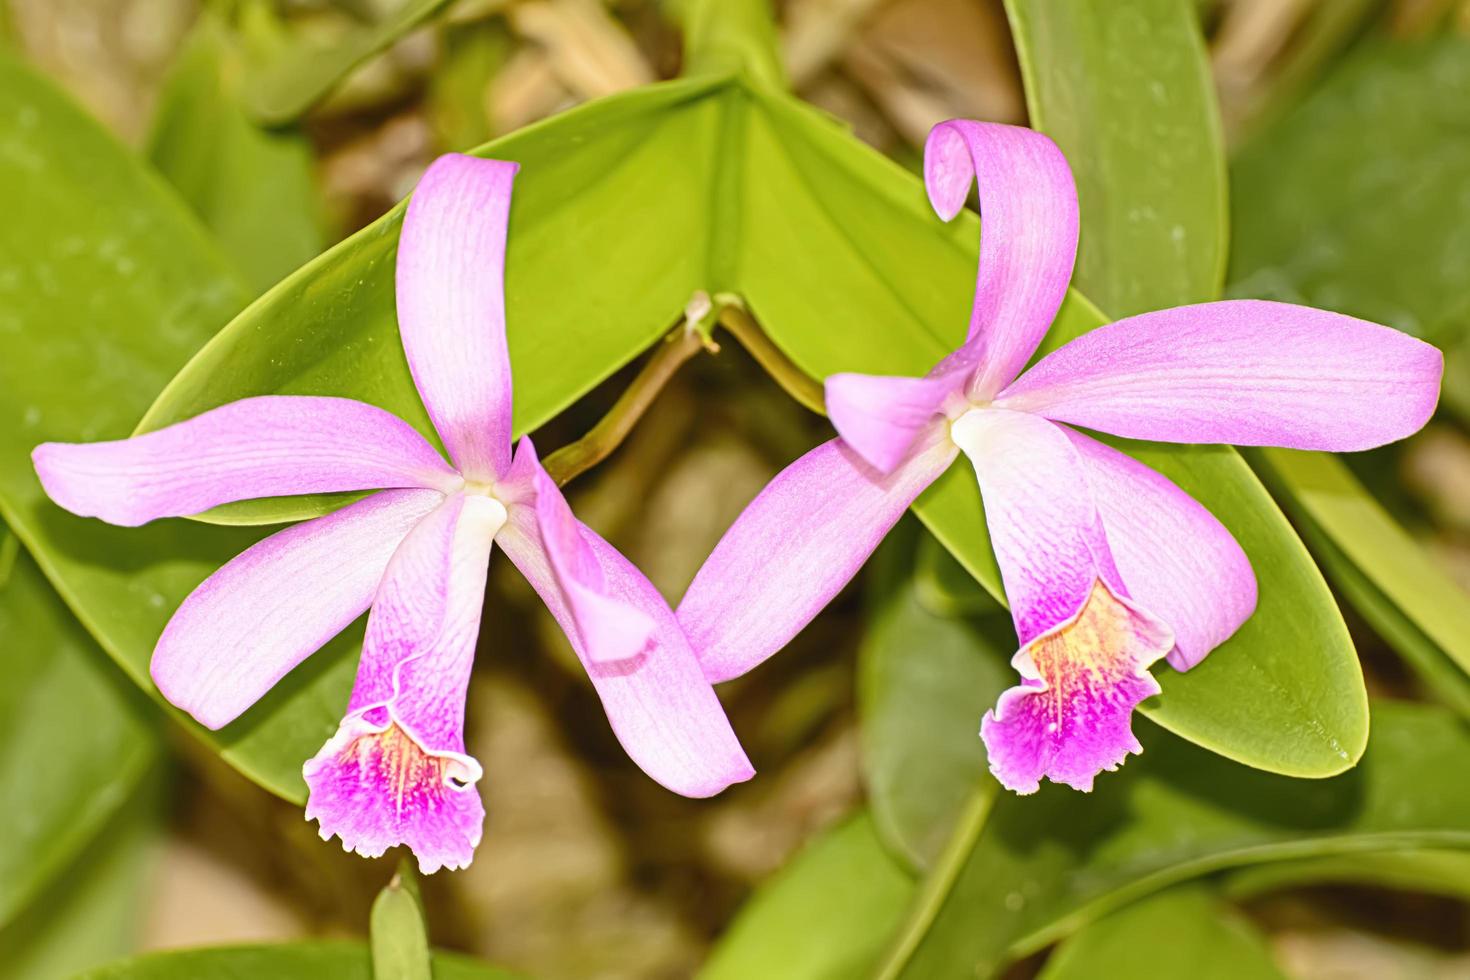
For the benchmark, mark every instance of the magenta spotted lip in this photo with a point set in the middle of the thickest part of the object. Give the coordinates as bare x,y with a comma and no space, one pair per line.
1067,515
415,552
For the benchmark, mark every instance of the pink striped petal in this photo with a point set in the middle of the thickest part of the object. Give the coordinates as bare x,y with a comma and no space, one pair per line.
1085,646
451,307
1180,563
660,706
795,546
396,771
276,445
1247,372
1028,210
609,629
247,625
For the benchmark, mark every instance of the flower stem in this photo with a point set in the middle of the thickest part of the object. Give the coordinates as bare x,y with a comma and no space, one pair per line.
576,458
681,344
792,379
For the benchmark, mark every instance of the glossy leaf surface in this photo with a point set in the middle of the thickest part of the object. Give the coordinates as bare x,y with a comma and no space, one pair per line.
108,282
1180,932
924,682
825,916
1041,866
91,914
1124,88
77,738
252,188
399,940
1376,227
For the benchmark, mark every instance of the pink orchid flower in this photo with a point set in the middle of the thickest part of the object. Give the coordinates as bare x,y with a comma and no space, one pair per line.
1108,566
396,771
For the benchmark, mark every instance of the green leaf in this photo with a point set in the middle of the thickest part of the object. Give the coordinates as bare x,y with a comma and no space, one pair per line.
1124,88
77,739
1041,866
604,252
400,942
924,682
108,285
1445,873
1381,568
92,914
283,85
1353,201
1374,228
1181,932
860,248
292,961
473,55
826,916
253,188
731,37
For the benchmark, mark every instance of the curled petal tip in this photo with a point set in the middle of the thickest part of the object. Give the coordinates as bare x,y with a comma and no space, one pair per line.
947,170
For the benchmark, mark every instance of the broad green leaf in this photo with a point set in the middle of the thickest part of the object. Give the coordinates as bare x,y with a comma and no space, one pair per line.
859,247
107,285
1353,200
1041,866
1442,679
1375,228
826,916
924,682
75,738
1181,932
1124,88
253,188
399,941
1321,489
291,961
284,84
1433,872
93,913
604,251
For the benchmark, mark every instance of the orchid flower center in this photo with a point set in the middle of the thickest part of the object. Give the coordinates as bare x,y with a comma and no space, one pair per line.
484,513
965,429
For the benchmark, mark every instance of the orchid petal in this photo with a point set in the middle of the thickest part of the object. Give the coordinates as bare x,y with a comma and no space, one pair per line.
1028,244
396,771
660,706
1247,372
608,628
451,307
247,625
275,445
1180,563
880,417
1085,645
793,549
